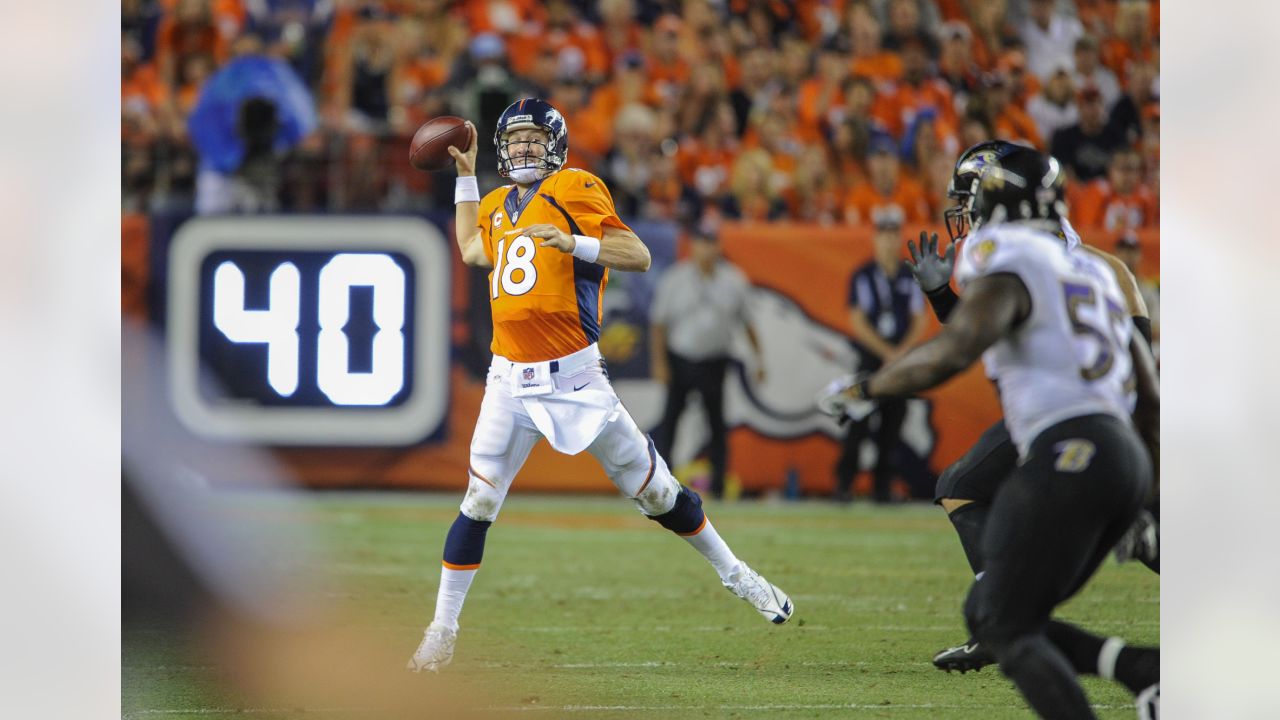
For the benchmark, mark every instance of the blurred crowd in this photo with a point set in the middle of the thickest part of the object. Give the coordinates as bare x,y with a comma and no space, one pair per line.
813,110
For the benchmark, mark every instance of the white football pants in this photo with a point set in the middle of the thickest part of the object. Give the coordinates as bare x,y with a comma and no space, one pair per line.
506,432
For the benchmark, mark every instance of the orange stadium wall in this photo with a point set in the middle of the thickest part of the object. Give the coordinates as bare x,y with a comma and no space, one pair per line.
801,276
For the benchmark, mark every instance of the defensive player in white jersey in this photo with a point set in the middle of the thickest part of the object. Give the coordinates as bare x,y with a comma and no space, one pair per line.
968,486
1080,398
550,238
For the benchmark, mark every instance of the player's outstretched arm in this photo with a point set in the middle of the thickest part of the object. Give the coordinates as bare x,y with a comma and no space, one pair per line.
992,305
624,250
466,203
1125,279
932,273
618,250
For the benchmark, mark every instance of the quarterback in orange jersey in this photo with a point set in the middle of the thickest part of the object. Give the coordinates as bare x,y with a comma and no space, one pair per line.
550,239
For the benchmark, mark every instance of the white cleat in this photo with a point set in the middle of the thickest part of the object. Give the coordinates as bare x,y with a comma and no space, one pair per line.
436,649
765,597
1148,703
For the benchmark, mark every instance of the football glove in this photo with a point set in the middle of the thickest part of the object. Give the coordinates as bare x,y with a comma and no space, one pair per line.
842,399
1141,541
931,270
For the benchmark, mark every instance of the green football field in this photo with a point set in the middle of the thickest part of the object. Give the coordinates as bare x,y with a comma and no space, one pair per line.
585,609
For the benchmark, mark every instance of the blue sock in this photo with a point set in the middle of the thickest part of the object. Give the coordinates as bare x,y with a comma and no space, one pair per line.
464,545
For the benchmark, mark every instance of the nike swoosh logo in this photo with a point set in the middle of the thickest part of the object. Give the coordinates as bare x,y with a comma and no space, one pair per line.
588,184
576,388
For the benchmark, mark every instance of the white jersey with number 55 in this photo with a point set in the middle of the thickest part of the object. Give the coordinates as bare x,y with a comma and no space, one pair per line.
1070,356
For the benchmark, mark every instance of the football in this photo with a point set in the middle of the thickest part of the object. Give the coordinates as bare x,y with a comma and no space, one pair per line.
429,150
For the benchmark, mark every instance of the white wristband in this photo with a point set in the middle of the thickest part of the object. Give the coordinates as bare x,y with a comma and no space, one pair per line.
586,248
466,189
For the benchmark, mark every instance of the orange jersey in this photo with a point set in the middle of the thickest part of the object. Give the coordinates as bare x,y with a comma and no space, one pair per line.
863,200
546,304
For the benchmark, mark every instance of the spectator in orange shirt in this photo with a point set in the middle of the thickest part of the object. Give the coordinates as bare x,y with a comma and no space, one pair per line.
189,30
1024,85
927,138
1119,201
823,92
629,84
849,143
668,69
776,134
506,17
569,95
714,46
665,196
706,161
141,91
955,61
1010,121
886,187
422,66
909,20
819,19
813,195
975,127
918,91
794,61
1131,36
704,91
562,29
869,58
195,69
863,104
619,30
992,31
756,195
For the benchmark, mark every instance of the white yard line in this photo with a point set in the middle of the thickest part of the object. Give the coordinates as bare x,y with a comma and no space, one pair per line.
153,712
763,708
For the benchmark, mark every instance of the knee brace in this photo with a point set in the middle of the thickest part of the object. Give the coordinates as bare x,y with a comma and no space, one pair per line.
686,516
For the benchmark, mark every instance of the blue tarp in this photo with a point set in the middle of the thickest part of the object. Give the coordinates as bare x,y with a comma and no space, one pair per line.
213,122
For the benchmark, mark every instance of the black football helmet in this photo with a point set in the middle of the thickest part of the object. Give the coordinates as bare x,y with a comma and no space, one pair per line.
1021,185
533,113
960,188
